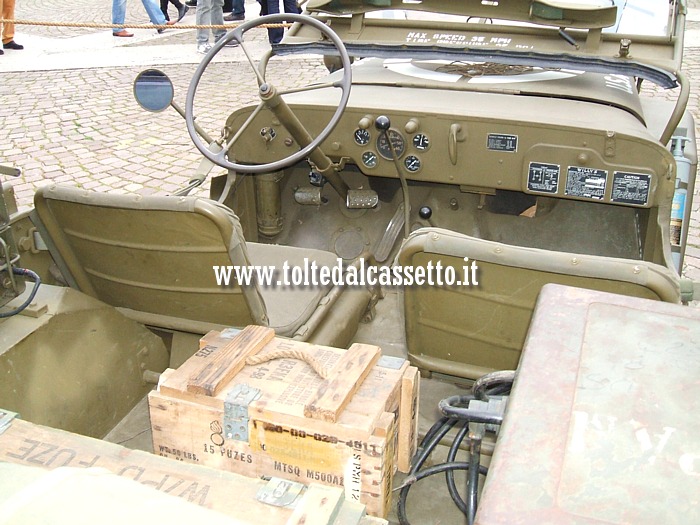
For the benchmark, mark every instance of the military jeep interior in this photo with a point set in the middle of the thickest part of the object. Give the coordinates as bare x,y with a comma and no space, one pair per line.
509,141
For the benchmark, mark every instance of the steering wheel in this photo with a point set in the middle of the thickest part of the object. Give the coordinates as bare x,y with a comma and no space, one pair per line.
270,98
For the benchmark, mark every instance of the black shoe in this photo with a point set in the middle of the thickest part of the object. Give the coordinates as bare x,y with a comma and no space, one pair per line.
191,3
233,17
2,52
12,45
181,12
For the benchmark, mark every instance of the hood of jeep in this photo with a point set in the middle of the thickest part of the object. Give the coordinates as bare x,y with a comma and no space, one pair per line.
611,89
602,36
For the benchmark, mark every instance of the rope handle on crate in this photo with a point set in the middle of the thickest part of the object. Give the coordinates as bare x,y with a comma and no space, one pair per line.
301,355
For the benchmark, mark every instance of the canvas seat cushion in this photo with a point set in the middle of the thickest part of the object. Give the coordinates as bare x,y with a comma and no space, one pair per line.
288,307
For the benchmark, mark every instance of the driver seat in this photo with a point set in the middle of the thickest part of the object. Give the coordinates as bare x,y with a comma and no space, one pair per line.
155,254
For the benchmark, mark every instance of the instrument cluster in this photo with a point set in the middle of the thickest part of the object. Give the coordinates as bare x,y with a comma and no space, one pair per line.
406,145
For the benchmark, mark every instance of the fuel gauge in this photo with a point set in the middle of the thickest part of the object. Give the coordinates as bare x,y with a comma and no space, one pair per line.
369,159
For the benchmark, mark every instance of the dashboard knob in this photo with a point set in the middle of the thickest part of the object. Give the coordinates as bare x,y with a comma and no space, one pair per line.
425,212
412,126
382,123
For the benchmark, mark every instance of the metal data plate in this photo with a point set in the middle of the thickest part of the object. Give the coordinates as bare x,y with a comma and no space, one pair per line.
602,423
394,363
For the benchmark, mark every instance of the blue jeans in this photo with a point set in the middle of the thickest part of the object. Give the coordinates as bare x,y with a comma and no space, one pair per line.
210,12
272,7
152,10
237,7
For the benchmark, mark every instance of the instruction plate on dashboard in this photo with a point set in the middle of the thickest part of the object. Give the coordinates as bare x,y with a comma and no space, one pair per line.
543,177
586,182
630,188
502,142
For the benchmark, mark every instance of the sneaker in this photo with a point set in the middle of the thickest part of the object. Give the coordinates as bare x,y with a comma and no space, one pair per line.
231,17
203,48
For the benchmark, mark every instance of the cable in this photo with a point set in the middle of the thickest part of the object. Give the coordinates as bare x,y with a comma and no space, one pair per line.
450,475
437,469
455,410
37,281
425,449
493,384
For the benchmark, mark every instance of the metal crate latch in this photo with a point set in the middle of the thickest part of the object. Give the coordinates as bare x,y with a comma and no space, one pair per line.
280,492
6,418
236,411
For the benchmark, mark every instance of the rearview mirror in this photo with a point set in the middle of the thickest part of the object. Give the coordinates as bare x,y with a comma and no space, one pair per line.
153,90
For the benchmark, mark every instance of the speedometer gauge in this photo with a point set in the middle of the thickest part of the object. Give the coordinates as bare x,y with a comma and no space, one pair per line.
383,147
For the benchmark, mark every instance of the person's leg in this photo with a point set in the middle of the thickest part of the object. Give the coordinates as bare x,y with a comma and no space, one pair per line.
118,14
164,8
2,26
8,13
237,8
203,18
217,18
154,13
290,6
181,9
275,34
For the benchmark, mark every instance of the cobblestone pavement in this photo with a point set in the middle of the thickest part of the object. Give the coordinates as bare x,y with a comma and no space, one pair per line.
70,123
84,125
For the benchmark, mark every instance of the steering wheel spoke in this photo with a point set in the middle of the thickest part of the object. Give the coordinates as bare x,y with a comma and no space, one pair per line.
243,127
272,100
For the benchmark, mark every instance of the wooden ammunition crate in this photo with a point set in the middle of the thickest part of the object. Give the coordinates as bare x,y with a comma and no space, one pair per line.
244,501
280,418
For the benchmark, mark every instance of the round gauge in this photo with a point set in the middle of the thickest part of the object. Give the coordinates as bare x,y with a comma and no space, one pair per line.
412,163
421,142
369,159
383,147
362,137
